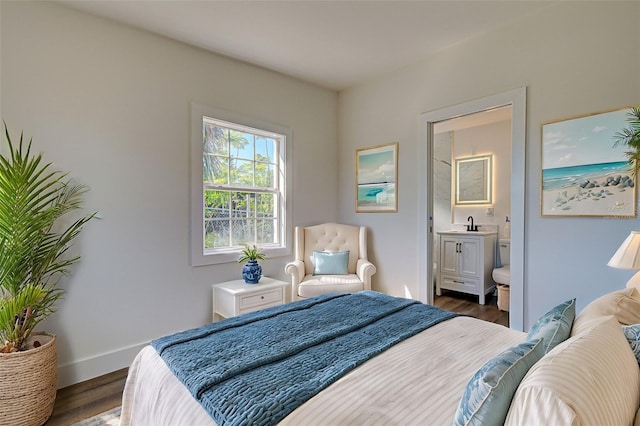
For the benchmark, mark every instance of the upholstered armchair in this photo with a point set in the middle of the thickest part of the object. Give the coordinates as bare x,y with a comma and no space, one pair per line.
327,245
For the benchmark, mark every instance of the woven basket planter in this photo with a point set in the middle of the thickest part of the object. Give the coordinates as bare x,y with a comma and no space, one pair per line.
28,383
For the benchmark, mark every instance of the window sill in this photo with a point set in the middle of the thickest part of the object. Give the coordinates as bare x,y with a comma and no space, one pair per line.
231,256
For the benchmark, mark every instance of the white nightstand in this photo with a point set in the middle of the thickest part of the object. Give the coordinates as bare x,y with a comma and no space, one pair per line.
233,298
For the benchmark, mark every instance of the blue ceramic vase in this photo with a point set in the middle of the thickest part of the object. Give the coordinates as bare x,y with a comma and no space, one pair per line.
251,272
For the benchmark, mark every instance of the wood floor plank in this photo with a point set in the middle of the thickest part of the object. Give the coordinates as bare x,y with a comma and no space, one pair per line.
86,399
468,305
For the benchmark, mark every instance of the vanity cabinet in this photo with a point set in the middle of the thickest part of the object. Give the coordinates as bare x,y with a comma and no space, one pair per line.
465,263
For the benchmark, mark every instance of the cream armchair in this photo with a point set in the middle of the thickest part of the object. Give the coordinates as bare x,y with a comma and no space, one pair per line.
330,238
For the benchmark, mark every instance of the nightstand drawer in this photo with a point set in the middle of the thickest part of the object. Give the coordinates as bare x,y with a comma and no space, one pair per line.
260,299
233,298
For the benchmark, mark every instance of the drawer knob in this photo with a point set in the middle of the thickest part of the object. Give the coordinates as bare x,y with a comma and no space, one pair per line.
262,297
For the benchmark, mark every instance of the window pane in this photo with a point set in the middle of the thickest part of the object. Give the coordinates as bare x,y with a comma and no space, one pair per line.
216,204
243,204
266,231
243,231
216,169
264,175
265,149
265,206
242,172
241,145
216,233
215,140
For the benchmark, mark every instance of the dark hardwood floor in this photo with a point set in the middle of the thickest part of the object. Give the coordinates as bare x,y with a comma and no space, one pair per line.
86,399
468,305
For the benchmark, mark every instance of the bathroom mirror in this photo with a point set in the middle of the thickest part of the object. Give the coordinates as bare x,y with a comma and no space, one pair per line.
473,180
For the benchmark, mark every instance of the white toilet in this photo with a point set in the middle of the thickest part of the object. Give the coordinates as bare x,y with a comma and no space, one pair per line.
502,275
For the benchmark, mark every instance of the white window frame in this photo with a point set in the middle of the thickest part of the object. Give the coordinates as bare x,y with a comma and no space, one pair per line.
230,254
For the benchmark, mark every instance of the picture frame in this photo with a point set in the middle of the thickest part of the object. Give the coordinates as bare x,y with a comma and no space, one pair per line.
377,179
584,173
473,180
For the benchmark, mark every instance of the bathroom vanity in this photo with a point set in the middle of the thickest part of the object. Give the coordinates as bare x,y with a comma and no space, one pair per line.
466,261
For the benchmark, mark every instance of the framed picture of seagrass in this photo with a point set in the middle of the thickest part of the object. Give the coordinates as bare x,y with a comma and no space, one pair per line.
585,169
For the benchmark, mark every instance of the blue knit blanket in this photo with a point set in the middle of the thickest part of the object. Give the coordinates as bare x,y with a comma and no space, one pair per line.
258,367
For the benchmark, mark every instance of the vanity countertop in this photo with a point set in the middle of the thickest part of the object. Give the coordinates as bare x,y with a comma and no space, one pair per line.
459,232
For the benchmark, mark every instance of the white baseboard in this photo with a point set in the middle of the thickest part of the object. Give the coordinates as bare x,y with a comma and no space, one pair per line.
89,368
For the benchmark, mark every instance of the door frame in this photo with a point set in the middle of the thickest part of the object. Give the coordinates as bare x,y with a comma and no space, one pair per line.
517,98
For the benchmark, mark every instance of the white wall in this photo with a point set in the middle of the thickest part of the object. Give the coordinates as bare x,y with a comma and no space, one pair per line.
574,58
495,139
442,166
110,104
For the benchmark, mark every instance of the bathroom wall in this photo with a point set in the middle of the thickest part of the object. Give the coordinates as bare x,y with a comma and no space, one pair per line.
442,181
494,138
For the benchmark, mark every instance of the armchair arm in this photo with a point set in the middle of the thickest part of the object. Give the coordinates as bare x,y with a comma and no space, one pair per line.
296,270
364,270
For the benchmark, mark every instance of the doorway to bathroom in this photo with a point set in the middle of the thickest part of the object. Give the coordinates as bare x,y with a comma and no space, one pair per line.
472,189
492,213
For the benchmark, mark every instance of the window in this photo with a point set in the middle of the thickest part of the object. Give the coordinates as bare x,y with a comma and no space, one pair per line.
239,186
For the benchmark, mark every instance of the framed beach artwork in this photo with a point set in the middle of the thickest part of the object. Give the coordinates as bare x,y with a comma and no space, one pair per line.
377,179
584,172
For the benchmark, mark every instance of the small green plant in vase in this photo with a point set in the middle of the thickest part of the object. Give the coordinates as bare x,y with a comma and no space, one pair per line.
251,271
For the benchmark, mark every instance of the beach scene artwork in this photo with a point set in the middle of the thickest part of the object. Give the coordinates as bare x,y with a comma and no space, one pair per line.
583,172
376,178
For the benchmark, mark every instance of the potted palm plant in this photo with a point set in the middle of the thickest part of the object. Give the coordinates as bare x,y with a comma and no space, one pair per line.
34,240
251,271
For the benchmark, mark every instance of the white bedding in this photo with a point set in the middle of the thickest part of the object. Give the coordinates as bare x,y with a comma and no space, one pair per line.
418,381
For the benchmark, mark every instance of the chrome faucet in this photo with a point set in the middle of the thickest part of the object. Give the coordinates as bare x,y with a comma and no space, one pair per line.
472,227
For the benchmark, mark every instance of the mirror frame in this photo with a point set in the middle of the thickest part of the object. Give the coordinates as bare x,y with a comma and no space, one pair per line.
474,180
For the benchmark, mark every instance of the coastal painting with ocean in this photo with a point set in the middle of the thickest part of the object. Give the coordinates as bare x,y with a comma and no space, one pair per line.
584,173
376,176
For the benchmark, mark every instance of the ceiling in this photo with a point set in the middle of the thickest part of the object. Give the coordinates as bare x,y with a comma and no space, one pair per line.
334,44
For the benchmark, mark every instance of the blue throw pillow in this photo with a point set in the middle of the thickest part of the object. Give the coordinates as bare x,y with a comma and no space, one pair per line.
326,263
487,397
632,333
554,327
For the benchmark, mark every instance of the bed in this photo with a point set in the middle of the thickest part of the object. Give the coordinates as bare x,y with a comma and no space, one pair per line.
459,370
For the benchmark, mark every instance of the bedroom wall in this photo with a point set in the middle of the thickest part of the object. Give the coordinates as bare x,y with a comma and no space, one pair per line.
111,105
574,58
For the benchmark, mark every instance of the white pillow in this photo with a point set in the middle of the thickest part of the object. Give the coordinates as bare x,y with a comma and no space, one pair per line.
591,378
623,304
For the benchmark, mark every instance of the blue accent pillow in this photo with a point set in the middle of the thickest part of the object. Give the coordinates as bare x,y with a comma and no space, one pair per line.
554,327
487,397
632,333
330,263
